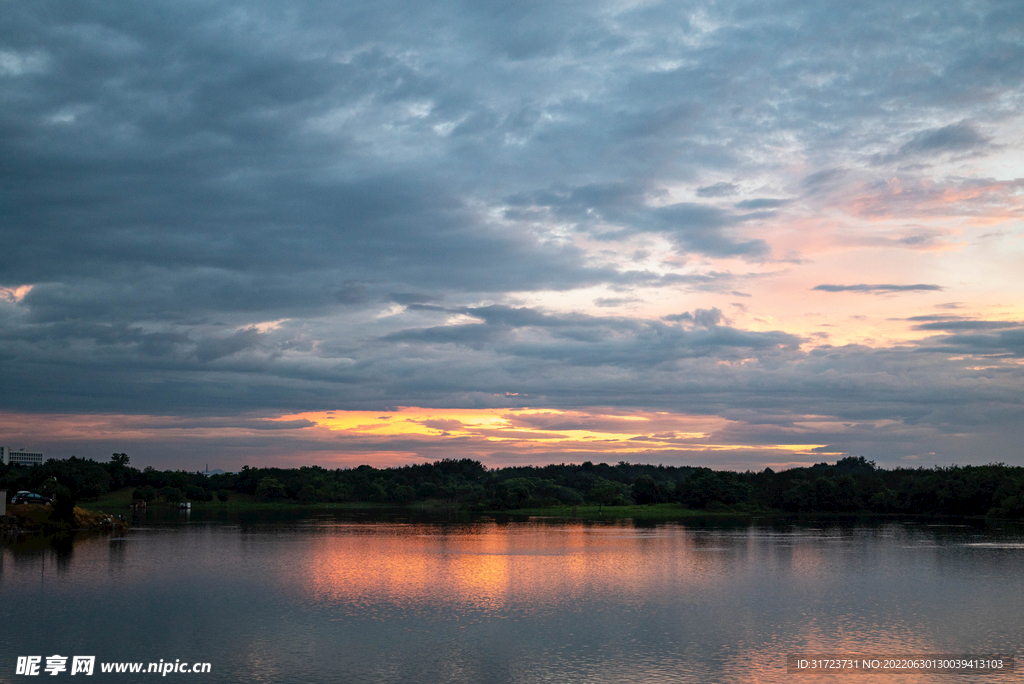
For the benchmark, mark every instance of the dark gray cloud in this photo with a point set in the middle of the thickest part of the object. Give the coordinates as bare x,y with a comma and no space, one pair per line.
702,317
819,180
959,137
211,349
1006,341
614,301
955,323
722,189
531,337
413,298
879,289
761,203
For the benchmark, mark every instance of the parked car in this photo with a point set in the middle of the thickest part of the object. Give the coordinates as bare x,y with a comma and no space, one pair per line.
30,498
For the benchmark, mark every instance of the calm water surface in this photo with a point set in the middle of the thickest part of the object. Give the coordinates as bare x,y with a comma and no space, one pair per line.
330,600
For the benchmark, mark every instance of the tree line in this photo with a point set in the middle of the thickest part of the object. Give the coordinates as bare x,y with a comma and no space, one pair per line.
853,484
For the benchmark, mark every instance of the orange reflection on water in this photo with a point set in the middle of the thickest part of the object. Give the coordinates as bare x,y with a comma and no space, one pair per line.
489,566
404,565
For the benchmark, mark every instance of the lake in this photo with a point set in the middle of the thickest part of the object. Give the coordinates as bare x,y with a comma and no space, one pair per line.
322,597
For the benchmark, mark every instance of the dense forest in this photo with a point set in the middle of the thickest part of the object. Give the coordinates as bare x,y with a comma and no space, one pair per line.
853,484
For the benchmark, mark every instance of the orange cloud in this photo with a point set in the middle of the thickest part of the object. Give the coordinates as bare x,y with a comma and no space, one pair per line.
15,294
605,430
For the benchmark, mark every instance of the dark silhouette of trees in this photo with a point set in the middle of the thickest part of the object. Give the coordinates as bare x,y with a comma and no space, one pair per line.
705,487
851,485
645,490
606,494
271,488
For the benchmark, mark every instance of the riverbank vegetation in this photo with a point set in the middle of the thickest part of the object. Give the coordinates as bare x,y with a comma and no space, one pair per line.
852,485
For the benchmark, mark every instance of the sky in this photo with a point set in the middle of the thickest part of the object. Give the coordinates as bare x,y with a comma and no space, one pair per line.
743,234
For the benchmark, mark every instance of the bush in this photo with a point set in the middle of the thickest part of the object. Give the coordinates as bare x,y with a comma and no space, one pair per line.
513,493
63,505
606,494
271,488
705,486
147,493
172,494
222,494
427,490
197,493
307,494
404,494
645,490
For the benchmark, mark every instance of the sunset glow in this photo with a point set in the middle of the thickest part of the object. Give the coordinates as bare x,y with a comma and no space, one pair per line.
544,429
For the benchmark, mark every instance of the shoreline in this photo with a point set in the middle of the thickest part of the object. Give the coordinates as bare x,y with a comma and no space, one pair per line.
667,512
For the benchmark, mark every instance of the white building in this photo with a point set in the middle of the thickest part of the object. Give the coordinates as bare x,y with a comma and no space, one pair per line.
20,457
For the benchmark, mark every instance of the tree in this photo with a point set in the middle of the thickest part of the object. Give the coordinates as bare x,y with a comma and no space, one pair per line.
118,470
645,490
147,493
606,494
513,492
63,505
403,494
197,493
172,494
884,501
855,464
307,494
706,486
369,490
271,488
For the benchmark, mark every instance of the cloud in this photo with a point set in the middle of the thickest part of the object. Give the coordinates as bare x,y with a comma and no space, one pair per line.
879,289
820,180
468,335
969,339
722,189
14,63
212,349
959,137
519,339
614,301
762,203
953,323
704,318
610,211
445,424
408,298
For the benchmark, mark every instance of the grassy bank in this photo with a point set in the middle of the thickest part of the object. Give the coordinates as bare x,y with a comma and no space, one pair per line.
34,518
663,511
120,501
